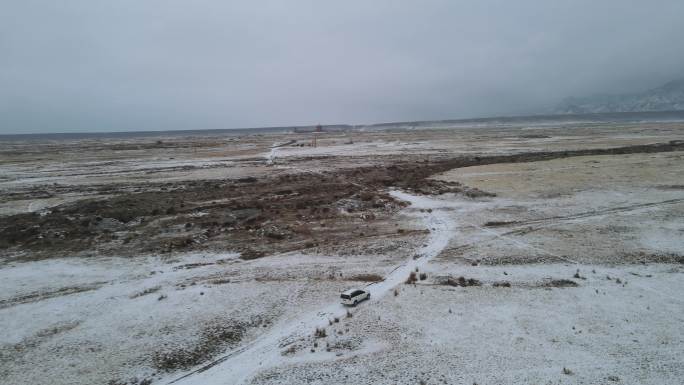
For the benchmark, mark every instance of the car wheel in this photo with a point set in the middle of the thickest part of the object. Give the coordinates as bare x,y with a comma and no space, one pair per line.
355,302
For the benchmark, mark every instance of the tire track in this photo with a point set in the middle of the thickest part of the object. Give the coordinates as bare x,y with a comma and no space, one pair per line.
240,365
587,214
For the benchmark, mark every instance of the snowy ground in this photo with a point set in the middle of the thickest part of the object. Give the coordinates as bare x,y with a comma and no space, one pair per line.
601,331
526,333
576,269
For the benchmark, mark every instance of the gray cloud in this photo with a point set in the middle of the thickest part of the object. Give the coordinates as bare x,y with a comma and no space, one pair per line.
83,65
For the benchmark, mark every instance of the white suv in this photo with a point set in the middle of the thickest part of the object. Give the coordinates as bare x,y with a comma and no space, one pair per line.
354,296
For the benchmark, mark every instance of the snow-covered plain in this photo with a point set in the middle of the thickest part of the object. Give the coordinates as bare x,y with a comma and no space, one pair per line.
265,352
612,225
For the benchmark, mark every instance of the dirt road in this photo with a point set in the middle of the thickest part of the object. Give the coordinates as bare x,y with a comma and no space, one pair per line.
241,364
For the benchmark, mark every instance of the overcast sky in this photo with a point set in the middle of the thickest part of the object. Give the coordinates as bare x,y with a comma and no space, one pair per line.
120,65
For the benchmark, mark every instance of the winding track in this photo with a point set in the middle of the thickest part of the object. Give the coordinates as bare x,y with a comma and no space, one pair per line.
240,365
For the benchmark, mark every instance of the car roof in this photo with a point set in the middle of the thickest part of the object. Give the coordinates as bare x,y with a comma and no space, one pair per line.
348,292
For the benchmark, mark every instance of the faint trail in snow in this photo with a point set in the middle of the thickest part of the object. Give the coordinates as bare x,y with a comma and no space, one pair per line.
596,213
242,364
521,243
271,156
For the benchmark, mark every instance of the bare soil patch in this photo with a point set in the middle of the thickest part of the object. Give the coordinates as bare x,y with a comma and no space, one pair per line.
257,216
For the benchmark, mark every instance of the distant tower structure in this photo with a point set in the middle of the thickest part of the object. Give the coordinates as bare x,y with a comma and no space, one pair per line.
316,131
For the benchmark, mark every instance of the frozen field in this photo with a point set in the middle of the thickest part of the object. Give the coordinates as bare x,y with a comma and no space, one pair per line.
541,255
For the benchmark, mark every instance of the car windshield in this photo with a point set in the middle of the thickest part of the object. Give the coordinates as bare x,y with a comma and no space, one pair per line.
345,296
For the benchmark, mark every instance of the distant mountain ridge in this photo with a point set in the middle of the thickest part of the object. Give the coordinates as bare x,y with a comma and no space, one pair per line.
668,97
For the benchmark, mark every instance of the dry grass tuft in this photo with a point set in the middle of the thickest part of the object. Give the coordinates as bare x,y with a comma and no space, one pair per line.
560,283
366,278
461,282
145,292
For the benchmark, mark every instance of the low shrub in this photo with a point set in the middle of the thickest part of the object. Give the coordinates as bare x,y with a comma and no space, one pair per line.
320,333
461,282
560,283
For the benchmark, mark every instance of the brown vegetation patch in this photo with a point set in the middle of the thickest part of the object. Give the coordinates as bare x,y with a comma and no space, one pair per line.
132,381
193,265
249,254
145,292
365,278
18,351
277,213
213,339
499,223
560,283
644,257
42,295
671,187
460,281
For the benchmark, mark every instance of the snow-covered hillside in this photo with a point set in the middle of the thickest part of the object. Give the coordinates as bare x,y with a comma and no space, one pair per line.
668,97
